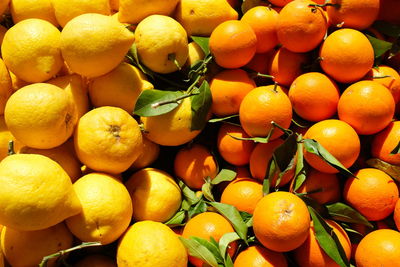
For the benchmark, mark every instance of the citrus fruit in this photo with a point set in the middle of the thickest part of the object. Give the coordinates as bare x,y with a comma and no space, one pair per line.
5,86
396,214
258,256
150,152
280,3
392,82
385,142
38,9
143,9
4,6
195,54
96,260
5,138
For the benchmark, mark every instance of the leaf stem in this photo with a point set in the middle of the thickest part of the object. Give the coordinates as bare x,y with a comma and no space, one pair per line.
161,103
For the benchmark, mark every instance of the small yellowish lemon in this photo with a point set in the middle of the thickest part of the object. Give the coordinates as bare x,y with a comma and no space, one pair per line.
149,154
33,9
5,86
130,13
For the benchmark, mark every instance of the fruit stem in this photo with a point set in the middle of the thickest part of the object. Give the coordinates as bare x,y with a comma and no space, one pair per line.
324,5
11,150
172,57
259,74
176,100
381,77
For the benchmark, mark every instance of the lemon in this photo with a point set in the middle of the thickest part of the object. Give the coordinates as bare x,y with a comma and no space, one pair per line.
5,138
38,9
17,83
161,43
126,81
114,4
3,31
94,44
155,195
106,209
27,248
96,260
65,10
35,193
31,50
150,244
199,18
195,54
40,115
149,154
5,86
172,128
134,11
108,139
3,6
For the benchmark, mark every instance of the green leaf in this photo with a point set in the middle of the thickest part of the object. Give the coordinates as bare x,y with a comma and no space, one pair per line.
328,240
224,242
232,215
150,102
225,175
285,152
188,195
203,42
300,171
223,119
342,212
246,217
212,246
207,190
198,250
321,209
201,104
270,173
380,47
392,170
200,207
254,139
387,28
396,150
316,148
135,60
177,219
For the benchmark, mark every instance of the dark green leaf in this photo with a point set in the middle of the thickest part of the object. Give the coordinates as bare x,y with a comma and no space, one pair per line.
228,261
396,150
245,216
285,152
203,43
201,104
254,139
328,240
392,170
188,194
342,212
321,209
300,171
198,250
212,246
225,240
200,207
223,119
207,190
380,47
387,28
224,175
270,174
150,102
316,148
232,215
177,219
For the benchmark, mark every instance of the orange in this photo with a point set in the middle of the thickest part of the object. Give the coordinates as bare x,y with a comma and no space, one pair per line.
206,225
259,160
301,28
193,164
339,138
379,248
150,153
233,43
258,256
367,106
228,88
281,221
314,96
385,141
244,194
373,193
346,55
310,254
396,214
263,20
389,10
392,83
286,65
353,13
280,3
236,152
242,172
260,62
262,106
322,187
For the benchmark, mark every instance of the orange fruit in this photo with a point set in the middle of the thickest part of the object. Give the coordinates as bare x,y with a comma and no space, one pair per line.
286,65
314,96
193,164
242,172
233,43
322,187
389,10
228,88
396,214
244,194
346,55
373,193
263,20
262,106
392,83
353,13
379,248
339,138
236,152
301,28
310,254
280,3
385,141
258,256
281,221
367,106
259,160
260,62
206,225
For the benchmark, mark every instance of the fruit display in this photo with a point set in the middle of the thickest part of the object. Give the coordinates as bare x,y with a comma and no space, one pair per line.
194,133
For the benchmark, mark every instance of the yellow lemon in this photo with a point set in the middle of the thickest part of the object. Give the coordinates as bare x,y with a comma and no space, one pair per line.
108,139
106,209
201,17
35,193
161,43
150,244
17,83
5,86
3,31
94,44
195,54
114,4
31,50
130,13
38,9
149,154
66,10
40,115
27,248
96,260
3,6
119,88
172,128
76,89
155,195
